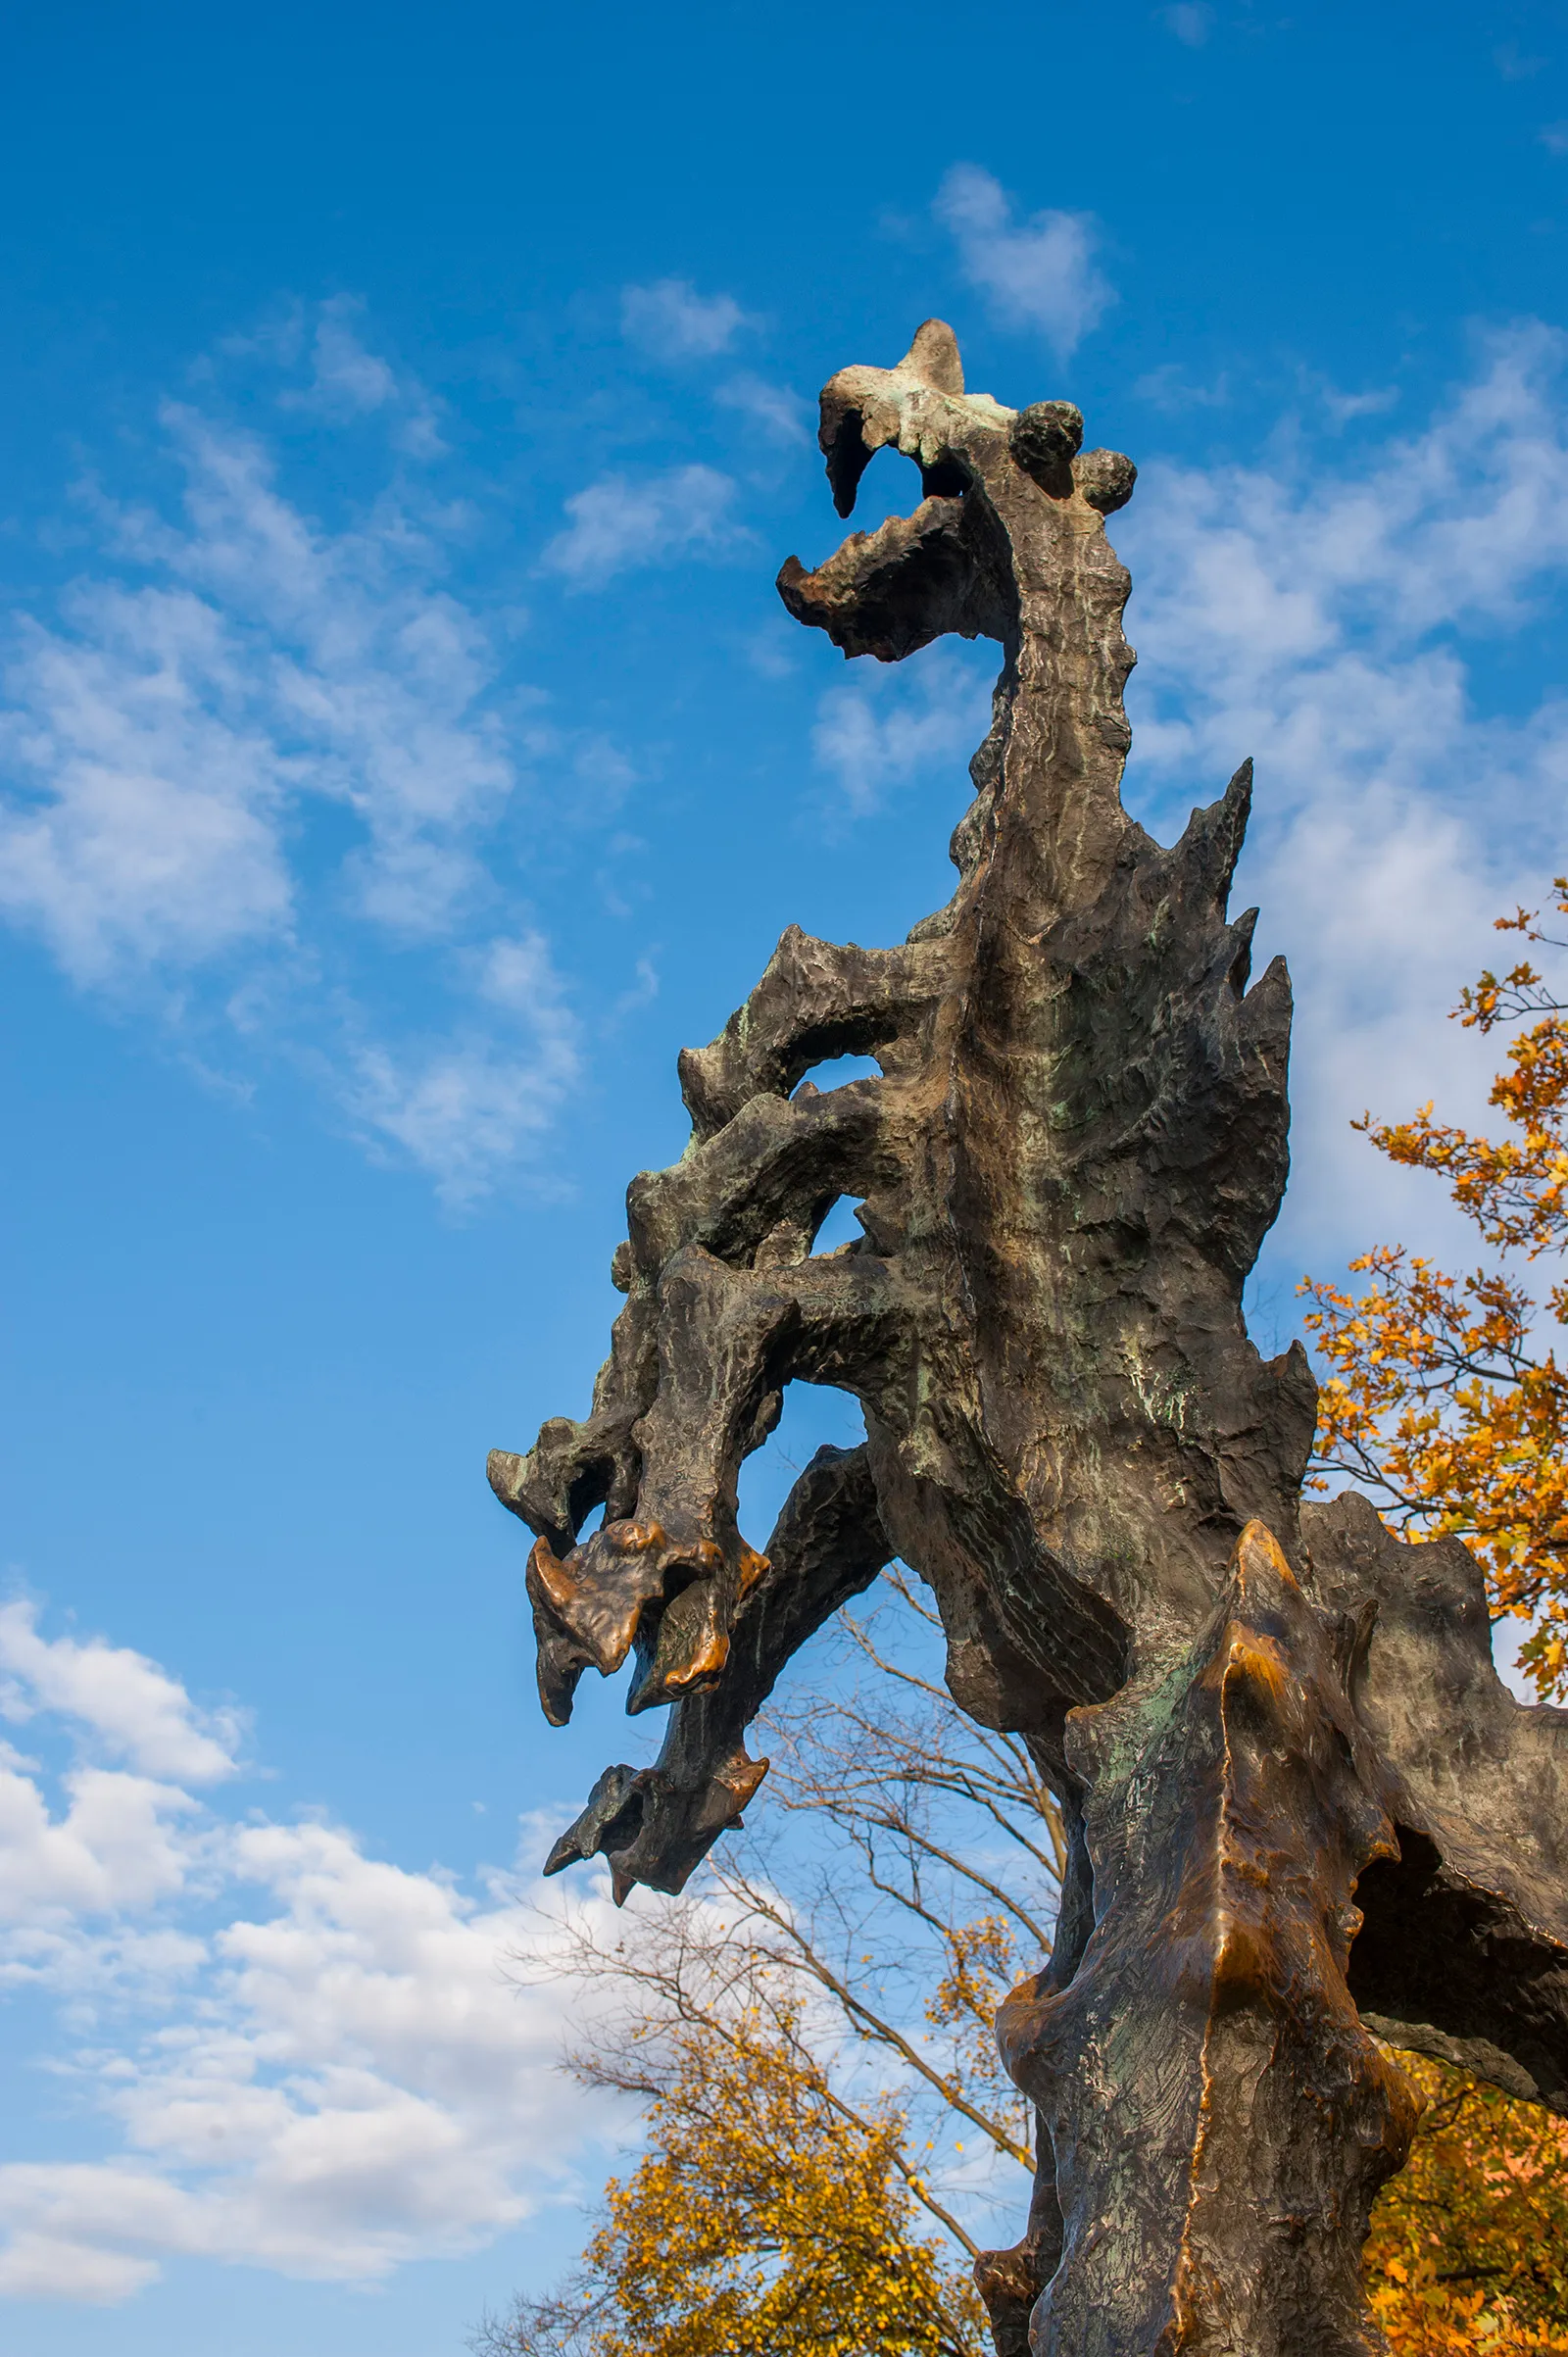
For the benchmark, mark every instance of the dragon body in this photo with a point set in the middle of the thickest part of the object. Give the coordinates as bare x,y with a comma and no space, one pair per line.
1297,1791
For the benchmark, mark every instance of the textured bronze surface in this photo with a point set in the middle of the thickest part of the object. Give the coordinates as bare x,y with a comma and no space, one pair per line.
1263,1725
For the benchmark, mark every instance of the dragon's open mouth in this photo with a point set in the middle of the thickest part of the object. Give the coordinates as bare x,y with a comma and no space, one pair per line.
885,593
944,569
849,452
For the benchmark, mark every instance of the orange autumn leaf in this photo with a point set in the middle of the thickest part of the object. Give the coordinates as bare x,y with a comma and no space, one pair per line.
1442,1400
1469,2244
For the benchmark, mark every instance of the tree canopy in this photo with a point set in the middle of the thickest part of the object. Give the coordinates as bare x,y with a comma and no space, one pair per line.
764,2215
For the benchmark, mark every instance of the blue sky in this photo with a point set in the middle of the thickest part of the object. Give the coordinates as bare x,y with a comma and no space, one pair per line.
403,752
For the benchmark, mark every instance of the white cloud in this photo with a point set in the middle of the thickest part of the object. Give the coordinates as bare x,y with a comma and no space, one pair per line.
38,2264
461,1108
617,524
1040,274
224,675
305,2058
160,736
346,373
349,381
118,1845
1168,387
671,320
779,411
605,775
1190,21
882,727
1314,616
1342,409
147,828
370,675
133,1708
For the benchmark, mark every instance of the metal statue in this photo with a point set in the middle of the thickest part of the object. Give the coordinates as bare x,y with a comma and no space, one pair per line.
1302,1806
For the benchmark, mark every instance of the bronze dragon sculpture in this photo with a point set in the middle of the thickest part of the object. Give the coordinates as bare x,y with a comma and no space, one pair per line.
1302,1807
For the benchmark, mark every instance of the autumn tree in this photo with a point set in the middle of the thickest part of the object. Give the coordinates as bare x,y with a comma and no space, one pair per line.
1469,2246
1444,1399
810,2031
766,2214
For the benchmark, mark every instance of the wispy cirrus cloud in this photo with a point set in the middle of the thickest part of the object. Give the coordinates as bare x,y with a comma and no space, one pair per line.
224,675
463,1104
1190,21
335,375
163,728
345,374
142,826
881,728
672,321
621,521
1040,272
773,406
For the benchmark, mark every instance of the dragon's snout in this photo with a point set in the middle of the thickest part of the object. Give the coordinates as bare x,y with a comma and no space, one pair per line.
632,1585
946,567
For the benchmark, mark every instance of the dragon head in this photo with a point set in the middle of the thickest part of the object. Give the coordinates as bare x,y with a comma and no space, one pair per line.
984,469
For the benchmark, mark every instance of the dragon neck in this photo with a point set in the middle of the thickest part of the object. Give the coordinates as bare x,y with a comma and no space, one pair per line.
1047,825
